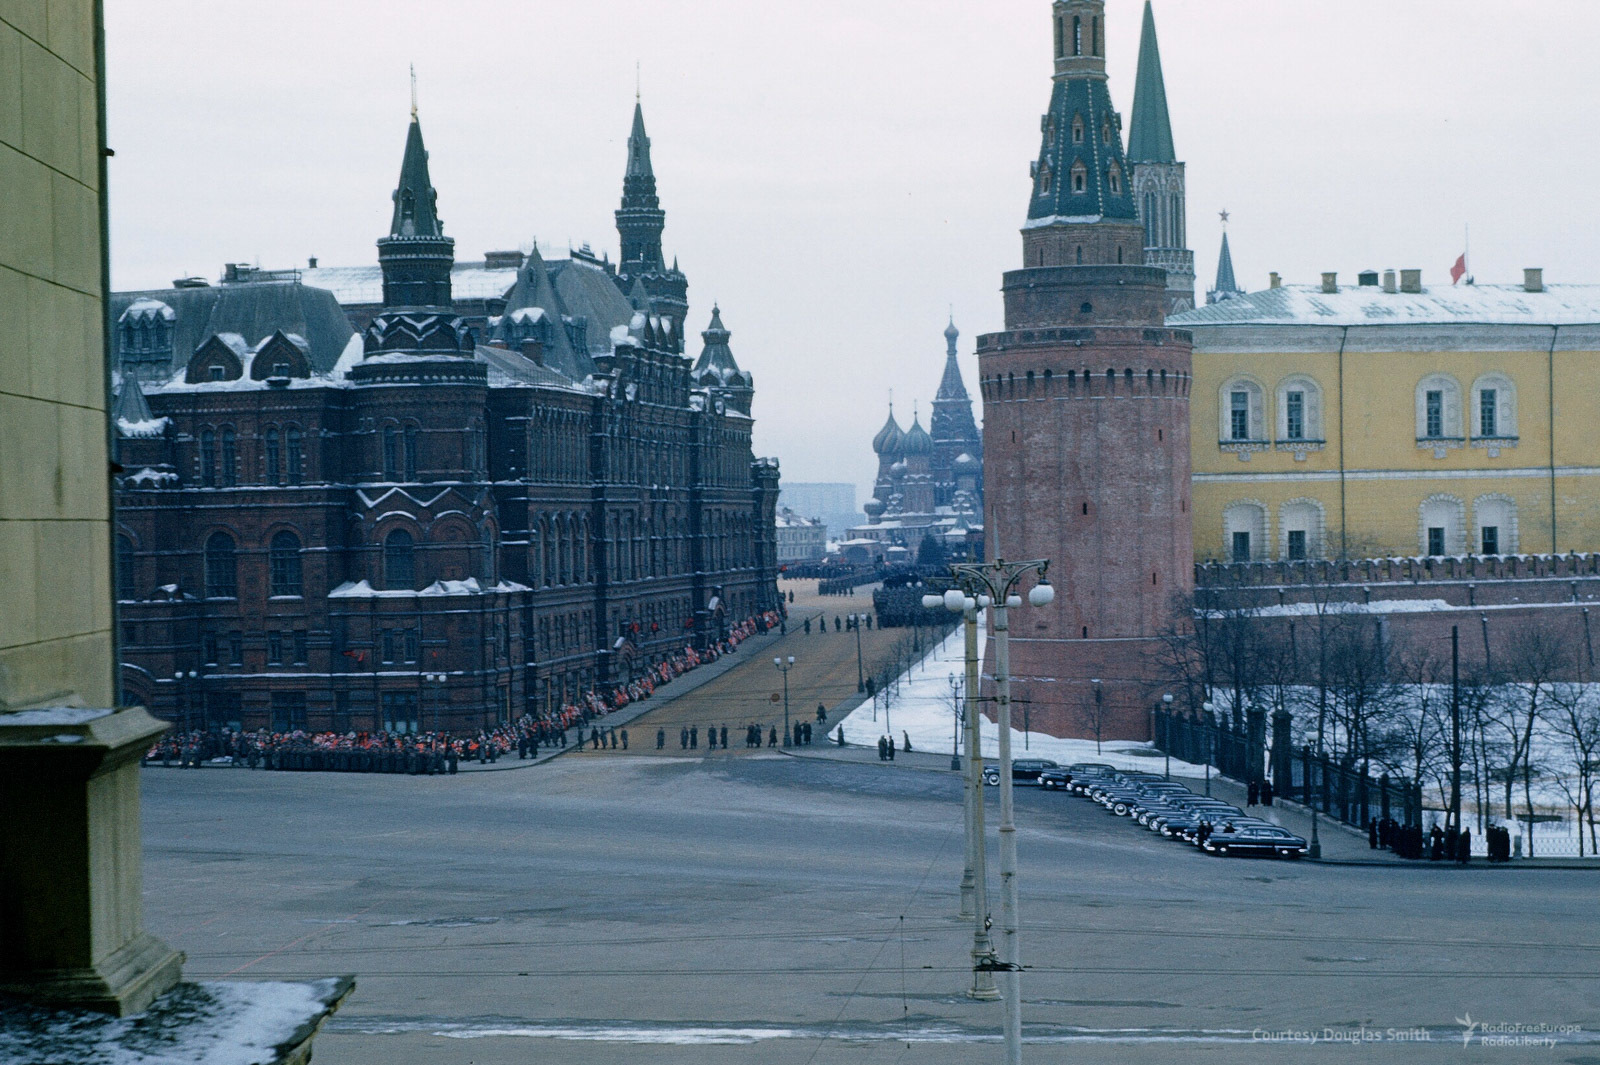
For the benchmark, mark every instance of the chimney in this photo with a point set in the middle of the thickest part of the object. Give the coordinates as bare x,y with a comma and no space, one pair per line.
1330,281
311,263
1410,280
1274,281
1389,281
1533,279
1367,279
533,350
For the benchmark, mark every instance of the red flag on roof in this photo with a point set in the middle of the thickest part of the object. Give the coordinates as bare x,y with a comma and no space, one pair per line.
1459,269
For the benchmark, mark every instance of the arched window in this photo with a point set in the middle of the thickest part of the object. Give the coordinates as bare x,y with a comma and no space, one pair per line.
547,544
1494,408
125,575
222,577
391,453
1080,178
1114,176
230,458
1300,530
1299,409
411,452
1077,129
1077,35
399,561
1242,418
1494,518
273,455
208,458
1442,526
283,565
1438,408
1150,220
1244,531
292,444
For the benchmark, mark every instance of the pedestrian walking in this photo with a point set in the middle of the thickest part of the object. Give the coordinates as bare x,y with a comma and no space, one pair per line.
683,738
725,736
694,737
1266,793
1372,835
907,735
661,738
624,739
772,738
1252,793
1464,847
841,734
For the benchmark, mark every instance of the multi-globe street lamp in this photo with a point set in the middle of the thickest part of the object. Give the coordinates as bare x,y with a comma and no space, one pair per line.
784,667
998,583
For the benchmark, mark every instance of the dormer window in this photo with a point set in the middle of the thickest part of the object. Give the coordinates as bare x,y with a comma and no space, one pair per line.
1077,129
1044,178
1080,178
219,373
280,369
1114,180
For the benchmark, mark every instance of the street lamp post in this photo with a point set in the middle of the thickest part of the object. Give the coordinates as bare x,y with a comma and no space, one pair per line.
955,732
861,676
1210,742
1166,731
975,877
784,667
1000,580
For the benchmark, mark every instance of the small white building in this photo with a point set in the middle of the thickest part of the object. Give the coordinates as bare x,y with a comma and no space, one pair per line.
800,539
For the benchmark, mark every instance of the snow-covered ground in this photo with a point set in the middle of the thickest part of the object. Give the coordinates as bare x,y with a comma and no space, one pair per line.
924,709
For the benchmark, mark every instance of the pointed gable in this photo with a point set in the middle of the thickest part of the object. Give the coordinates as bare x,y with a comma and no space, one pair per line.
220,357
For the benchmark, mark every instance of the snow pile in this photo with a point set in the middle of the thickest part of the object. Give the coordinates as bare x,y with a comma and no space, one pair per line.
923,709
144,428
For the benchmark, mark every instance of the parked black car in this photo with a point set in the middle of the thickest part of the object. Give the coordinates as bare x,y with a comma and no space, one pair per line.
1056,779
1267,841
1023,771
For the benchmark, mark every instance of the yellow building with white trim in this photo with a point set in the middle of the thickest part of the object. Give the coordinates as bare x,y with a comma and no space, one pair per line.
1393,419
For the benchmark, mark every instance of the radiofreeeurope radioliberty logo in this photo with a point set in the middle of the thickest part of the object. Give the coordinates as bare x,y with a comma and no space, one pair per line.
1514,1036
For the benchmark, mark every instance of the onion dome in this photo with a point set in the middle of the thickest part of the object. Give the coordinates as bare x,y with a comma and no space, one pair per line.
965,461
917,441
889,438
873,508
898,470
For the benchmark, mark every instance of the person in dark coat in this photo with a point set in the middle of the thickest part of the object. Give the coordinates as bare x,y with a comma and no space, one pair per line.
661,738
1252,793
1372,834
694,736
1451,838
883,752
1266,793
808,626
624,739
724,737
683,738
822,714
772,737
1464,847
1436,844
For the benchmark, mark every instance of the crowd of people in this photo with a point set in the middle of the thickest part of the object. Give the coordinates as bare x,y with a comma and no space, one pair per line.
1437,844
422,753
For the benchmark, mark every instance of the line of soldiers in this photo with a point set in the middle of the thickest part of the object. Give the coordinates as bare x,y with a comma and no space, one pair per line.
1437,845
838,624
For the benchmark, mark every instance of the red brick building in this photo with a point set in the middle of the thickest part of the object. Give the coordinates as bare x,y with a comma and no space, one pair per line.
466,511
1086,417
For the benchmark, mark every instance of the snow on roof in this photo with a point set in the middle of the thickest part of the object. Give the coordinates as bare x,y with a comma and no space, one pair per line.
470,586
364,284
144,428
1361,305
147,308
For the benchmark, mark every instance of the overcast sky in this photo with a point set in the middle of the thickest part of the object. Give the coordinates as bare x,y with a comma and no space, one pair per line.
837,174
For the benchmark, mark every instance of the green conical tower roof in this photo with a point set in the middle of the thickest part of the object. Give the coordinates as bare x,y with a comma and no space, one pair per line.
1150,139
416,212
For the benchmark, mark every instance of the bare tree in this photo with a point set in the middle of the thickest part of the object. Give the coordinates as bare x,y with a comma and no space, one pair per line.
1575,713
1536,655
1361,689
1417,728
1093,712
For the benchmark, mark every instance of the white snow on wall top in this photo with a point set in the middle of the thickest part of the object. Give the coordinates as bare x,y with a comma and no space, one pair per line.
1357,305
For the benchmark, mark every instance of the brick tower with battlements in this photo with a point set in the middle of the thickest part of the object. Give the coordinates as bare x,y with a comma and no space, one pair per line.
1086,418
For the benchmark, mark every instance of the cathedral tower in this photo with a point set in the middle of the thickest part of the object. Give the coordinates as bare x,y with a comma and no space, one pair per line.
640,221
952,427
1158,185
1086,417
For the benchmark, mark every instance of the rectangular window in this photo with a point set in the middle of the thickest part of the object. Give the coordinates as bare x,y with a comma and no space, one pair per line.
1239,415
209,648
294,444
400,712
1488,424
1435,414
1491,539
413,645
1294,409
288,711
300,655
1435,540
1297,545
341,711
274,648
388,645
1241,547
391,453
235,648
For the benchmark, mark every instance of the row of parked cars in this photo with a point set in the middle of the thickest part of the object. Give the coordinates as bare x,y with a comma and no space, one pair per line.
1163,806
